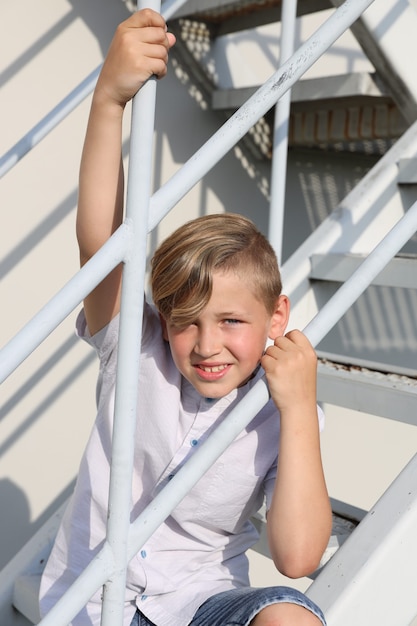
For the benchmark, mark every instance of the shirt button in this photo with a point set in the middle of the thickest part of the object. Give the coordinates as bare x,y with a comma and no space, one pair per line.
143,554
143,597
194,442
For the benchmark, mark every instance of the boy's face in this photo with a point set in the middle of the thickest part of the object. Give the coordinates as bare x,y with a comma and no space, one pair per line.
222,348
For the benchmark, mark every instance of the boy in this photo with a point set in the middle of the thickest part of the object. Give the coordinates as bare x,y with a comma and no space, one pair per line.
217,293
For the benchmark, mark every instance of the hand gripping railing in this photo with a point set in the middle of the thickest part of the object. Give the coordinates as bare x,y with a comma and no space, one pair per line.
128,244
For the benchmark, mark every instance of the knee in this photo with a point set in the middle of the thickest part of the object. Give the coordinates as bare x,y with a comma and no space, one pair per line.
285,614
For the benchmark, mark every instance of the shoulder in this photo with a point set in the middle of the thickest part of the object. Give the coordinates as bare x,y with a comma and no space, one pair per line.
107,337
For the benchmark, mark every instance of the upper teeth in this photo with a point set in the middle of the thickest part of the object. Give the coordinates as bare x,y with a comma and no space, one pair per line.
216,368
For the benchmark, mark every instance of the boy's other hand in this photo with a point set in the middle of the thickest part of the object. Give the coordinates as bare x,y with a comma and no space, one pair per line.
291,370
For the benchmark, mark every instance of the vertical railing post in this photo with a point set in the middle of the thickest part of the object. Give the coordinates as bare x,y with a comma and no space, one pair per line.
126,399
280,135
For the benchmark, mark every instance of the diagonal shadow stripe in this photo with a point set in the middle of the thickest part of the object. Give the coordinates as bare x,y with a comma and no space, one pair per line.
47,402
37,234
39,45
38,376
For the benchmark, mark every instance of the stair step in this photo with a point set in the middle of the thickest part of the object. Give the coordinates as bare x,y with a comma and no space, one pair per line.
236,15
338,267
389,395
322,92
331,110
20,578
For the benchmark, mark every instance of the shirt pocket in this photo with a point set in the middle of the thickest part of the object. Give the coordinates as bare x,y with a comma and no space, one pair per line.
223,499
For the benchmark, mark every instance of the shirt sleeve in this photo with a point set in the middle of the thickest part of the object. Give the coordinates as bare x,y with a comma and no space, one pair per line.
105,340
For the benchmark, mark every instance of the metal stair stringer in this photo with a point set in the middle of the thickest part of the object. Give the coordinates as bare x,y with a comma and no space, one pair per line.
371,578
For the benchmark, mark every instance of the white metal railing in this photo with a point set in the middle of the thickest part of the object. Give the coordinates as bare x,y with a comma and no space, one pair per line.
127,245
280,134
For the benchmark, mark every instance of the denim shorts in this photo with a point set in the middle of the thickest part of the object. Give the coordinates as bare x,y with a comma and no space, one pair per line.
238,607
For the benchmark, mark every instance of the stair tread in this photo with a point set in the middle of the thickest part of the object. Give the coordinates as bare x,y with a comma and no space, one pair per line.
363,389
218,11
350,86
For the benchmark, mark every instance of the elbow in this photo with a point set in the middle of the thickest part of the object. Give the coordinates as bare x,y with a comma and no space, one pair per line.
297,559
300,552
297,566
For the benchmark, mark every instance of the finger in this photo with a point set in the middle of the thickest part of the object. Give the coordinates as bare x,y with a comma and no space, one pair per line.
146,17
293,339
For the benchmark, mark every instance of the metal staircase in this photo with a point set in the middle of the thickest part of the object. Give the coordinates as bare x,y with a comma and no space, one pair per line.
367,362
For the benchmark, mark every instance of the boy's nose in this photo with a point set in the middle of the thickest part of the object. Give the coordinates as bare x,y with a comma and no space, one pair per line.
207,343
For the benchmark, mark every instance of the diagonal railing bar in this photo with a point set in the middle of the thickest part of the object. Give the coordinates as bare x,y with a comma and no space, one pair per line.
159,509
180,183
64,302
63,109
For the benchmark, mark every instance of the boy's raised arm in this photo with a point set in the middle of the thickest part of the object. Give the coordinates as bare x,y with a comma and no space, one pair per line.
139,50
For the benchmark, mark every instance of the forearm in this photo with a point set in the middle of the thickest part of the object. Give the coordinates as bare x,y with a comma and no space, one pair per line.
100,202
299,519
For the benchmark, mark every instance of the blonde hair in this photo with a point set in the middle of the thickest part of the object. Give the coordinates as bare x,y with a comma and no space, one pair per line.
183,265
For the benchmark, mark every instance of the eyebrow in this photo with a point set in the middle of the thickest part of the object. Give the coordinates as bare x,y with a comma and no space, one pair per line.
231,314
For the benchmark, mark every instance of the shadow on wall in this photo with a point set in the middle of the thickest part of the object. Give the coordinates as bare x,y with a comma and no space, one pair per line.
14,518
101,17
16,526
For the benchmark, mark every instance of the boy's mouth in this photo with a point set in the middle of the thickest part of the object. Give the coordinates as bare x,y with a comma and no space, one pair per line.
212,369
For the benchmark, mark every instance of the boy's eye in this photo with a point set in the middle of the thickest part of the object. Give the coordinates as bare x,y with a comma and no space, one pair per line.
232,322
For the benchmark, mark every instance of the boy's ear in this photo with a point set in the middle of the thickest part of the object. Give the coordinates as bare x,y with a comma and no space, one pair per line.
280,317
164,327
